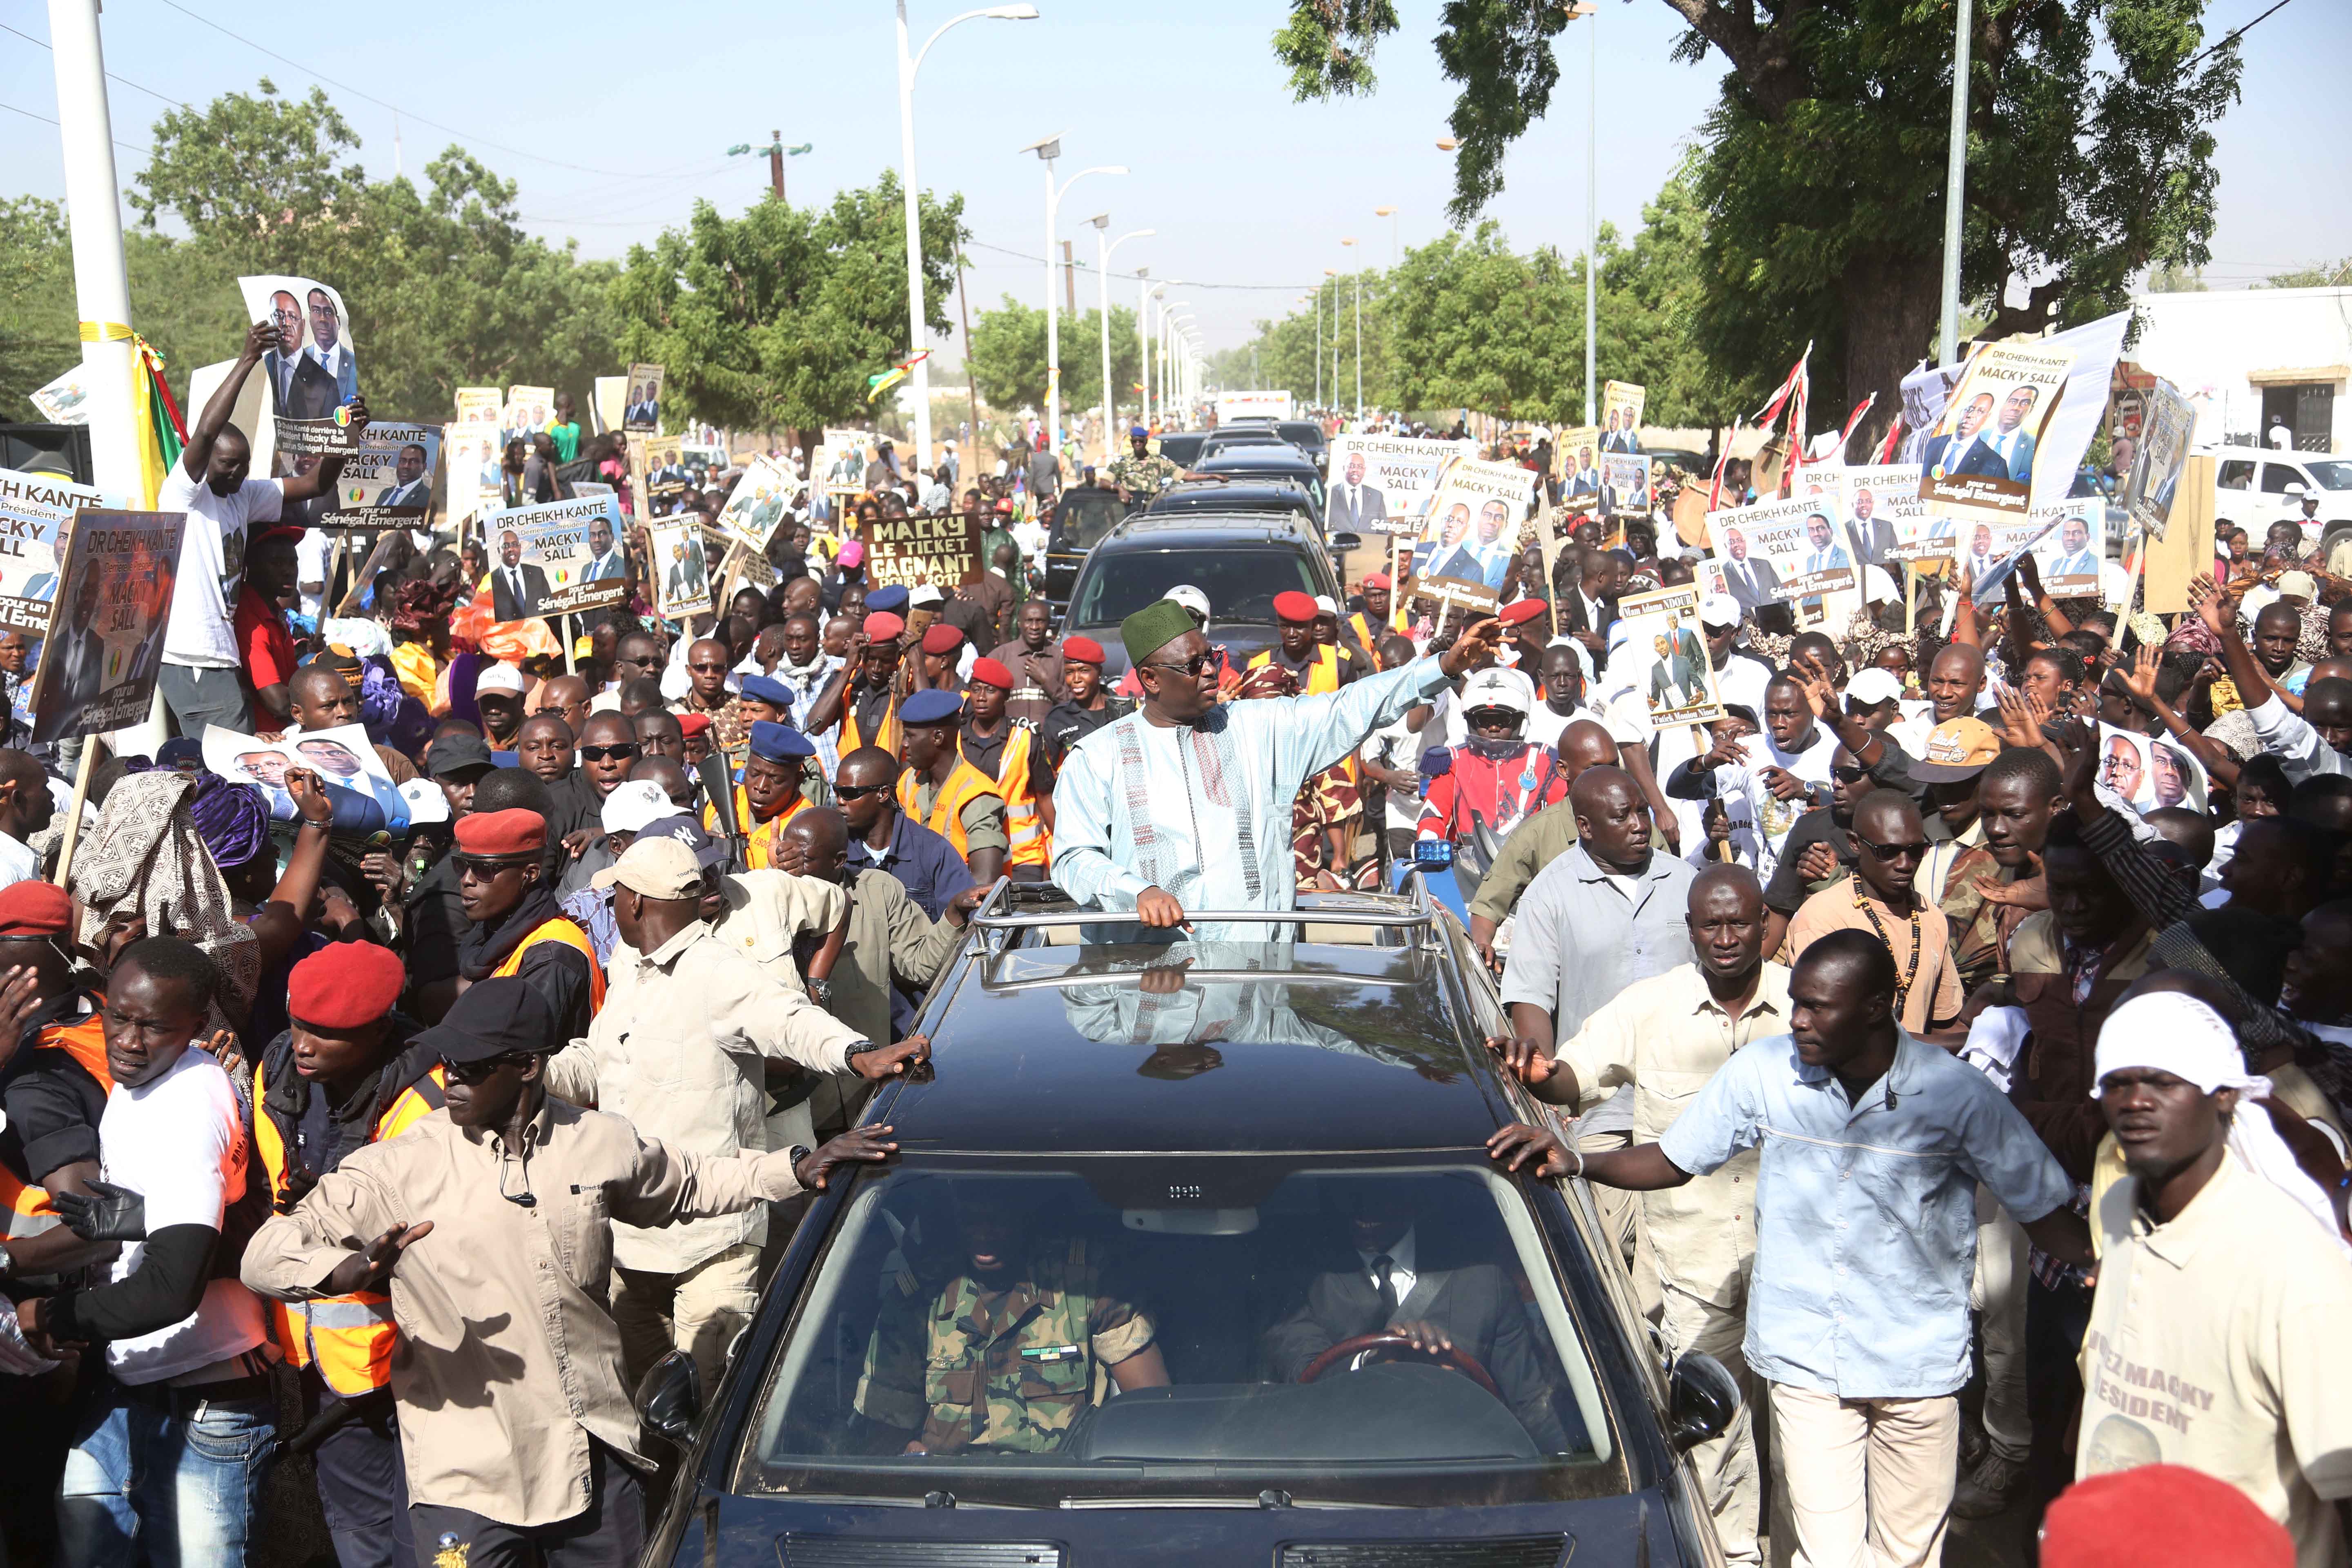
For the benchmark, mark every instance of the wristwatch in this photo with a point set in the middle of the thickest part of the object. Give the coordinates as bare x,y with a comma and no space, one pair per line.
800,1152
860,1048
820,991
7,1261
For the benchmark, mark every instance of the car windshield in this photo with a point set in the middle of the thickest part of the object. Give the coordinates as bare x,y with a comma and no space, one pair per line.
1182,447
1033,1332
2331,475
1241,582
1081,524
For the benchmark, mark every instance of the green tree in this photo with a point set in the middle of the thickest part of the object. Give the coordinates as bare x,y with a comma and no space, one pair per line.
1820,174
1008,357
38,337
2326,275
778,317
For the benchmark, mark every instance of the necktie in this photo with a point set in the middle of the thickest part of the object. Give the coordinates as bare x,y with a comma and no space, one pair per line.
514,582
1381,1273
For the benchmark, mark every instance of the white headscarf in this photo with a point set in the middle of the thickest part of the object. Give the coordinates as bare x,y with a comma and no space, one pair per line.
2174,1032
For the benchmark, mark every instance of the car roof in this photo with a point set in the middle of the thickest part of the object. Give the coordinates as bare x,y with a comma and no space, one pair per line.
1270,493
1243,525
1305,1047
1259,459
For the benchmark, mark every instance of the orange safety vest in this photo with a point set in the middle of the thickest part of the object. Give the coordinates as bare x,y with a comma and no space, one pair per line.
760,852
350,1338
562,929
1032,844
29,1212
1323,678
886,735
964,785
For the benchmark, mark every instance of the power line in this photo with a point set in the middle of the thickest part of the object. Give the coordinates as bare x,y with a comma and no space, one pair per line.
1129,277
45,120
126,81
2232,37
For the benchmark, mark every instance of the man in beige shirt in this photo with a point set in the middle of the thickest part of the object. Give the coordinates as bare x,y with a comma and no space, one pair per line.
1890,842
492,1221
2221,1330
681,1048
1665,1037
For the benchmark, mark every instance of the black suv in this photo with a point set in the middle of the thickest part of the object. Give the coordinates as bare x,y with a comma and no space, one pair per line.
1241,560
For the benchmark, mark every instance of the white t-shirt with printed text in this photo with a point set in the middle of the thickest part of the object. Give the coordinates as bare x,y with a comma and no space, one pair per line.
212,564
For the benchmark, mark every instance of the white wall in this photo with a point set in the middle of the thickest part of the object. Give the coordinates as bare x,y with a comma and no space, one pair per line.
2207,343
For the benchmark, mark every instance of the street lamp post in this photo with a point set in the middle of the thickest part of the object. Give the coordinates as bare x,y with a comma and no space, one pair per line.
907,66
1143,293
1360,338
1102,266
1333,274
1390,214
1318,346
1956,181
1170,314
1047,150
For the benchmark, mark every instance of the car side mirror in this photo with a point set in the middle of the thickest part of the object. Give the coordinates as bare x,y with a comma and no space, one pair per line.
1701,1400
669,1398
1343,542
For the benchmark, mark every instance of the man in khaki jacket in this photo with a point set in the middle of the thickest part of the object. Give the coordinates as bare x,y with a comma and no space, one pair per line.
520,1435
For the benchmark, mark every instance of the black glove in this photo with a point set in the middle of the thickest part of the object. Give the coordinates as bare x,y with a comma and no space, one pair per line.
109,1213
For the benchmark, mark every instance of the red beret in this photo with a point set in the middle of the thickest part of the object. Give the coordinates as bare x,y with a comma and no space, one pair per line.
1518,612
347,985
882,625
35,909
1085,650
514,831
2161,1516
994,673
1293,605
693,724
942,639
1375,580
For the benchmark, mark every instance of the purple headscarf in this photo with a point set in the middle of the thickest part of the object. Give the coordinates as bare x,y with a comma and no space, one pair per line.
233,819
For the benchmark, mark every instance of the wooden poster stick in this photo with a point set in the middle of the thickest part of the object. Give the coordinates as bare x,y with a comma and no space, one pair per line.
90,744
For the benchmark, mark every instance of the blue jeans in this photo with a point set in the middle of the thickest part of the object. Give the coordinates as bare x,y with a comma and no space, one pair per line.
159,1475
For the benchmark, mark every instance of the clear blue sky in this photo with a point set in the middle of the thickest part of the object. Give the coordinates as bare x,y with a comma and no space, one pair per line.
1244,186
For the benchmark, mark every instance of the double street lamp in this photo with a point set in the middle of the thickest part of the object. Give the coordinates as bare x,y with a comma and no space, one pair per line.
1102,270
907,66
1047,150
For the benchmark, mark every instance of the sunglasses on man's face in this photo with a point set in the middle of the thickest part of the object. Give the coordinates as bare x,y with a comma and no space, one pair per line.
857,791
611,754
470,1073
1199,665
483,867
1850,776
1890,853
707,668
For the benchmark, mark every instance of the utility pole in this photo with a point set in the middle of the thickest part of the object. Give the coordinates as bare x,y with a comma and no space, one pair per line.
1956,182
1069,282
776,165
970,386
93,207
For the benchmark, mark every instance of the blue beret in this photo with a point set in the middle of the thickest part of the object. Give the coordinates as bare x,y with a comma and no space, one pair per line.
891,597
780,743
930,707
767,689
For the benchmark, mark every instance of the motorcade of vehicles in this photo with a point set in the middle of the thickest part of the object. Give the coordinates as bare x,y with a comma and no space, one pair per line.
1181,446
1282,461
1083,516
1225,493
2250,491
1153,1168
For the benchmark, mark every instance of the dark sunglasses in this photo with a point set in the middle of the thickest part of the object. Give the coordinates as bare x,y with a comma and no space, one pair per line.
1890,853
611,754
1850,776
1199,665
484,865
857,791
476,1072
707,668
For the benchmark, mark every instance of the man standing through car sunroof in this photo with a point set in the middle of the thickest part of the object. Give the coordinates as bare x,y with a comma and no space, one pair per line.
1003,1356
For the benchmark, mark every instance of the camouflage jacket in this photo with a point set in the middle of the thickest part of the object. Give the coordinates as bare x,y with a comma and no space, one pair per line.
1142,478
1007,1371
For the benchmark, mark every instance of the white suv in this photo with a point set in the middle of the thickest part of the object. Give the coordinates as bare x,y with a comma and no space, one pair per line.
2249,489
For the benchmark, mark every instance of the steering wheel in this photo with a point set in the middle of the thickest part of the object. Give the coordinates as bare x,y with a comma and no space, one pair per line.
1454,1358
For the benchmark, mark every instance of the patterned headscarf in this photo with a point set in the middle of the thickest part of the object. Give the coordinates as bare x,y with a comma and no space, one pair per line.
420,603
1268,679
147,856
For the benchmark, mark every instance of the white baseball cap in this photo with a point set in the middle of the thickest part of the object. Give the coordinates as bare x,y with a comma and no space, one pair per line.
1325,606
632,804
1720,610
925,595
1192,598
1498,688
1871,686
500,677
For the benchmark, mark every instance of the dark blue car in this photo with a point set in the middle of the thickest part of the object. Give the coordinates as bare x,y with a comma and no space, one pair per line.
1193,1254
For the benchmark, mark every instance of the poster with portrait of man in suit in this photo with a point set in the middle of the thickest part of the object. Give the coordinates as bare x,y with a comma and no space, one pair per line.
681,568
1621,426
2168,425
1978,460
558,558
1784,550
358,786
1887,521
1665,652
388,482
1382,484
761,499
312,372
116,572
37,511
1624,485
2067,558
528,409
1467,541
641,407
470,453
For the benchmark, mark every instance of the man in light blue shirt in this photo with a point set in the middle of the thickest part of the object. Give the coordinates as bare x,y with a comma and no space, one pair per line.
1871,1146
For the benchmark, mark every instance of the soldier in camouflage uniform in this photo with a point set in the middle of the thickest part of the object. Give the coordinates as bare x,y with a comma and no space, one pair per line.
1141,474
1004,1356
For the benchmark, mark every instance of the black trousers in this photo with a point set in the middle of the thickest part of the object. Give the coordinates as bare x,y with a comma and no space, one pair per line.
610,1532
363,1486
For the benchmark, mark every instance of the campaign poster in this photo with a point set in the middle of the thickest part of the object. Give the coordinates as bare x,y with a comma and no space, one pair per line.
471,450
65,401
1887,521
1782,550
1621,422
940,549
1925,391
1472,529
1382,484
760,501
2067,558
1576,463
1986,553
528,409
98,670
556,559
681,568
37,511
2167,426
2150,772
1978,463
1624,484
365,799
642,410
388,482
313,373
607,399
1666,652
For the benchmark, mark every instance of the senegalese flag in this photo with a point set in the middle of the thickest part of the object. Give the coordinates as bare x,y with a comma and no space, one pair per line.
883,380
155,423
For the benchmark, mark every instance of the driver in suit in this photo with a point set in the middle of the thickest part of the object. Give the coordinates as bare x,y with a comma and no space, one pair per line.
1382,1278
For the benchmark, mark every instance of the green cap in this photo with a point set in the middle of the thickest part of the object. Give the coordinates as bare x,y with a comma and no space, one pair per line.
1153,628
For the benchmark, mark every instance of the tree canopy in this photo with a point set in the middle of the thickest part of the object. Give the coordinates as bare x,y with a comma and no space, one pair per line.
1008,356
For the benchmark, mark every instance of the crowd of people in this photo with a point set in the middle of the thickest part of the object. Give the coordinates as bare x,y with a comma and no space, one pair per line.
1914,1050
